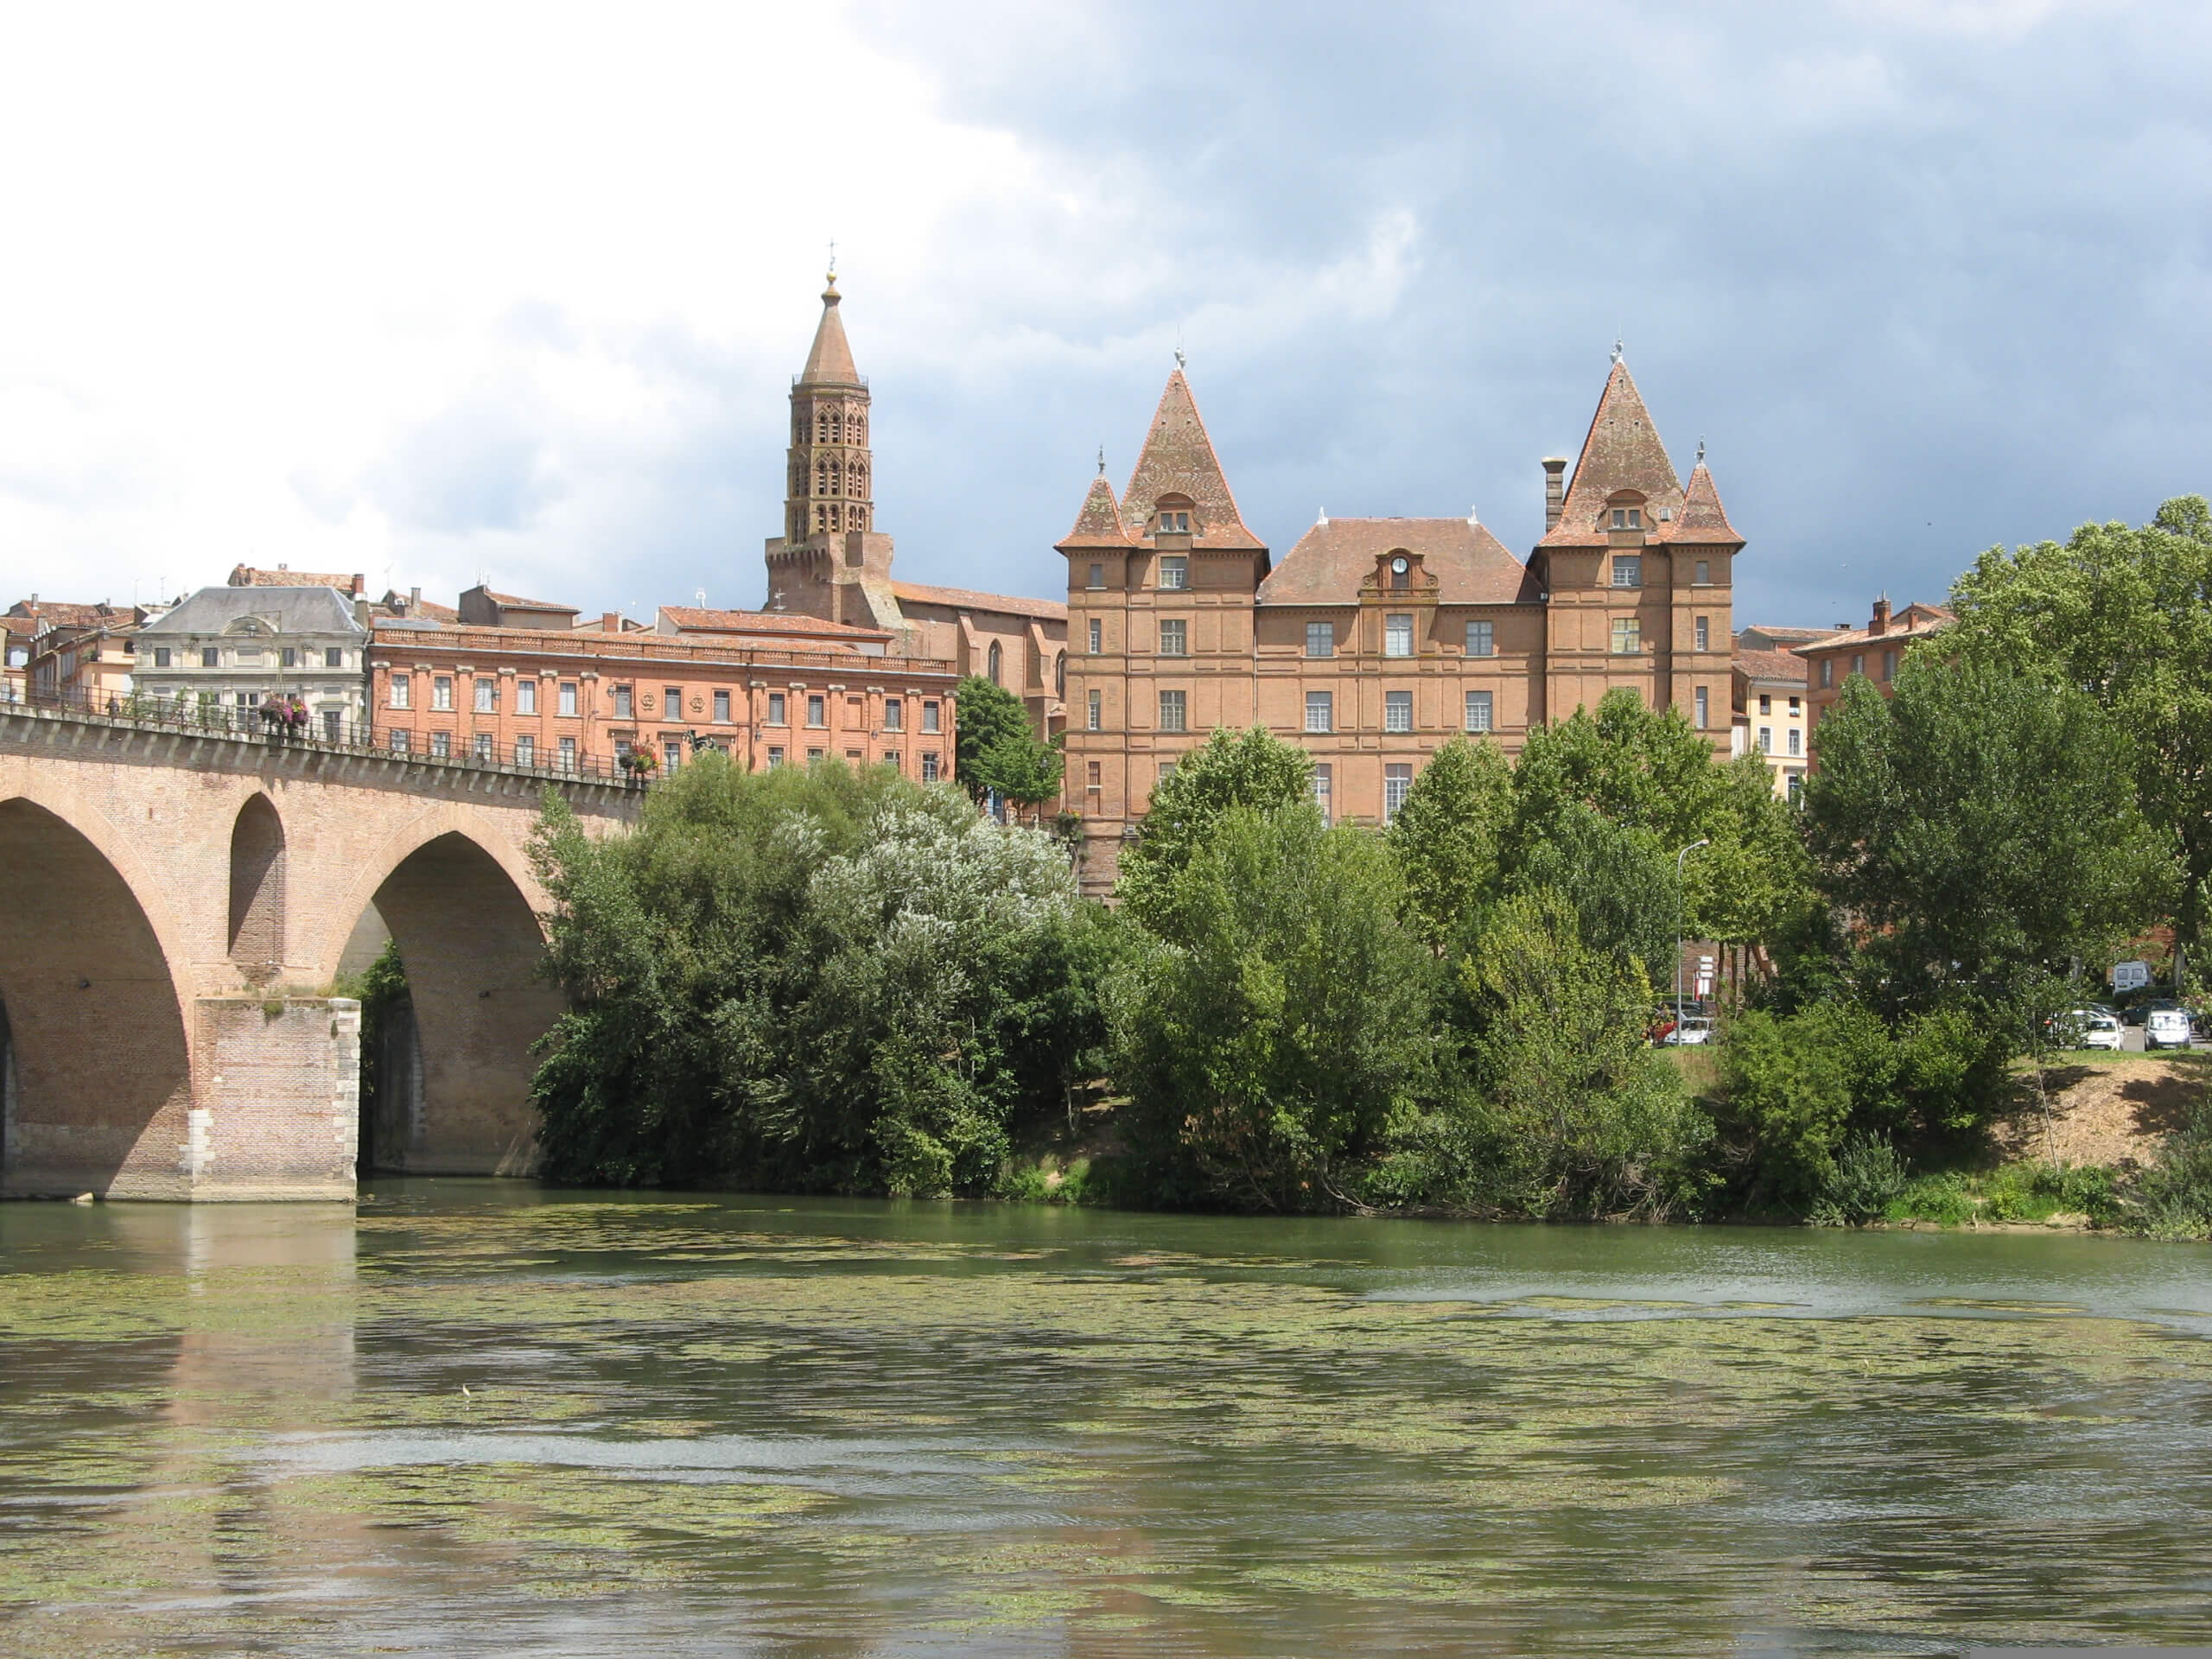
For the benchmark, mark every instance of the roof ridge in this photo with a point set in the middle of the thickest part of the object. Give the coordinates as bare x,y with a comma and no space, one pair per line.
1174,462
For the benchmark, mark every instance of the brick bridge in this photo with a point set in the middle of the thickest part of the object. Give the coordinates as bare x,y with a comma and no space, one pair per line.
174,907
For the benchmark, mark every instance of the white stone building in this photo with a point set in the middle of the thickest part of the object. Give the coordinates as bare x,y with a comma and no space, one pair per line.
225,649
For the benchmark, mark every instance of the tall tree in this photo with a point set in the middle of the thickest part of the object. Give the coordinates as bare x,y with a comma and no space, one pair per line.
1448,834
993,743
1979,826
2126,615
1229,769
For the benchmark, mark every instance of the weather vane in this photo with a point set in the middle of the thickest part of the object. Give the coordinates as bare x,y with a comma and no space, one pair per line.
833,258
1617,348
1101,461
1700,450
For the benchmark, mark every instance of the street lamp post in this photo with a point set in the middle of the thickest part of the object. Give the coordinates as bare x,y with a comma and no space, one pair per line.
1678,858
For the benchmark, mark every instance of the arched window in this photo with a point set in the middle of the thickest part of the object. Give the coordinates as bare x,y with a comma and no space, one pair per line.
859,429
858,474
836,480
995,662
822,478
821,427
836,427
855,519
1060,676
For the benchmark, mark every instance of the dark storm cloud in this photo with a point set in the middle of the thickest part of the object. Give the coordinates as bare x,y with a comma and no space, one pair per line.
1925,278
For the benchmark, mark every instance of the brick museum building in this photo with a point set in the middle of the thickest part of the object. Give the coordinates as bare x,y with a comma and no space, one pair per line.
1376,640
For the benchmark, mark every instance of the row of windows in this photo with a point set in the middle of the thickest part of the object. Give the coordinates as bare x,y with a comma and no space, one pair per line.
253,656
1858,666
1174,573
1397,637
832,426
1320,711
1796,736
1627,567
483,749
1397,712
626,701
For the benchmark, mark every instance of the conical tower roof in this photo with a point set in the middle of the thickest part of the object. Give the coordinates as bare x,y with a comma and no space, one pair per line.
1099,524
1621,452
830,362
1702,518
1178,458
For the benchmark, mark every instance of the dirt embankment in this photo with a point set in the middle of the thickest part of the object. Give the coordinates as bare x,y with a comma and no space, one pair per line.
2111,1112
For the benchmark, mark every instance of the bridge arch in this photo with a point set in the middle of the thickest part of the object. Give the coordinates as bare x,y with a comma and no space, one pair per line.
102,1062
257,923
461,908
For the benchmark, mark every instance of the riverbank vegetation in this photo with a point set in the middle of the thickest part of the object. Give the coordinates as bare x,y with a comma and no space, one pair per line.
839,981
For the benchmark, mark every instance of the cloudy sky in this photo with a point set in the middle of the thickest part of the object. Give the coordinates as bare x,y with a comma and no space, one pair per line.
454,291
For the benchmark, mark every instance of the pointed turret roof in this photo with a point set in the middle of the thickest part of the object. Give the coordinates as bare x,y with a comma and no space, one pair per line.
830,362
1099,524
1179,459
1622,452
1702,518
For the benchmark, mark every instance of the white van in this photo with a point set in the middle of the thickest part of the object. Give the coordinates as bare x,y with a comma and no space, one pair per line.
2166,1028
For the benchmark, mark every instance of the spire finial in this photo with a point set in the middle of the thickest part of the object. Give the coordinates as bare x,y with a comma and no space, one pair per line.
1617,348
1701,448
1101,461
1178,357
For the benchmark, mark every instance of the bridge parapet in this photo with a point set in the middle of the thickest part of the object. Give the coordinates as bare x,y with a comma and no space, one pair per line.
73,723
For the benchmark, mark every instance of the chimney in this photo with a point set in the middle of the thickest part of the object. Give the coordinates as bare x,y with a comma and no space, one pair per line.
1880,625
414,601
1554,489
610,622
361,584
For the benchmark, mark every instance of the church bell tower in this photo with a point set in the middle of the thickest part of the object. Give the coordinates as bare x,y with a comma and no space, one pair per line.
830,561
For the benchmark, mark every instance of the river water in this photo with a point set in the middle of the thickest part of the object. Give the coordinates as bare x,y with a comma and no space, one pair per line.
478,1416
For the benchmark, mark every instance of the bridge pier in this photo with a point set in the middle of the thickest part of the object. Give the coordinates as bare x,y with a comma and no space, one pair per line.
270,1113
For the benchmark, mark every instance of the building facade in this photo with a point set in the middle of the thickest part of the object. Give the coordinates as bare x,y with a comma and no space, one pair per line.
225,650
579,702
1874,653
1376,640
84,661
833,560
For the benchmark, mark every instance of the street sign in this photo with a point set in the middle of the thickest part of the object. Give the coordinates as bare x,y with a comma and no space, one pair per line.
2130,975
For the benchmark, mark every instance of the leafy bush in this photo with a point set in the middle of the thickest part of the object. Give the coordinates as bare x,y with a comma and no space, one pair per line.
1567,1113
2173,1198
1866,1178
1788,1093
828,981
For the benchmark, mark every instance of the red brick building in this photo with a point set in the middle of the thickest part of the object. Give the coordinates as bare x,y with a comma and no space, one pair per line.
579,701
1376,640
1874,652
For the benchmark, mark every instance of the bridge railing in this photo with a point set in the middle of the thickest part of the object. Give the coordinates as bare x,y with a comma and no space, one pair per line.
209,719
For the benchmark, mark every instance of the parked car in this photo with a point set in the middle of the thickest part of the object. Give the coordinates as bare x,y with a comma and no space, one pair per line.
1694,1029
2096,1028
2167,1028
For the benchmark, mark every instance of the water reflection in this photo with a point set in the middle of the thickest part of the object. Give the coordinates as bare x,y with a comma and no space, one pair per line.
513,1418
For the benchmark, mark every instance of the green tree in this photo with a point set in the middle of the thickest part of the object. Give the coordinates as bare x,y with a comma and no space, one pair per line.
1279,1030
1648,770
1229,769
1978,825
1447,837
2126,615
994,744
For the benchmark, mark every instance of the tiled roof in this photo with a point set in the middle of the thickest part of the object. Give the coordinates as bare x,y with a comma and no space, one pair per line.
1783,637
966,598
1780,665
1701,519
1621,452
513,603
1178,458
22,625
1471,565
1099,524
830,361
245,576
297,610
1910,622
688,619
63,614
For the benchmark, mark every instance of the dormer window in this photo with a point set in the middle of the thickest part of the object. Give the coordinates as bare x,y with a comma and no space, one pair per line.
1628,517
1175,524
1401,572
